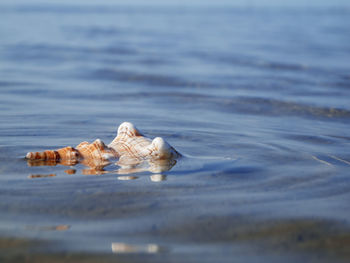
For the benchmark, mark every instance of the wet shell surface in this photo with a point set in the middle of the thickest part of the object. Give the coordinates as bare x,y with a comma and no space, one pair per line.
131,143
130,147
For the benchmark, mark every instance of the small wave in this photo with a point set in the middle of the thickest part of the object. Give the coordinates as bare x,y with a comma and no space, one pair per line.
134,77
53,54
237,59
274,107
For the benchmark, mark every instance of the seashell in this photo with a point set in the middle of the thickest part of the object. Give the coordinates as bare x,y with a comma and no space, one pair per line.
131,143
66,153
135,151
96,154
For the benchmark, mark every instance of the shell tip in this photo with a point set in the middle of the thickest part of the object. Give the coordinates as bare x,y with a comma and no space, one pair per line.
28,155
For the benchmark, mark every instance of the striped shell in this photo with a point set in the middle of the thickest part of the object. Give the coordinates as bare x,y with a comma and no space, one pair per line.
130,146
131,143
67,156
95,154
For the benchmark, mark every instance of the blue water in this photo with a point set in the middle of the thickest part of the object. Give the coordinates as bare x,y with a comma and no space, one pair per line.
256,97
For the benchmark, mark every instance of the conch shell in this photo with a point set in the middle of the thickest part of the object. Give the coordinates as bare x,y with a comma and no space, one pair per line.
130,146
131,143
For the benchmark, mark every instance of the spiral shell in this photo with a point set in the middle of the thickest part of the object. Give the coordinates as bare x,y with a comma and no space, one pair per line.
68,155
130,146
131,143
96,154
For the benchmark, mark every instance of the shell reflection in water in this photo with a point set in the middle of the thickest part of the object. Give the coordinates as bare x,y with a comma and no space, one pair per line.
33,176
134,152
49,228
158,177
70,171
122,248
154,177
127,178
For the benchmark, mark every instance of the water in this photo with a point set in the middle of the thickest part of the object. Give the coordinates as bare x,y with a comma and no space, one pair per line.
256,98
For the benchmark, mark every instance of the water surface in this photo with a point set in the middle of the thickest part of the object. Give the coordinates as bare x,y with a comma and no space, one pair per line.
256,98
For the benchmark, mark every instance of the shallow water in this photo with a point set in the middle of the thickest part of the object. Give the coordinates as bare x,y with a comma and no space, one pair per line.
256,98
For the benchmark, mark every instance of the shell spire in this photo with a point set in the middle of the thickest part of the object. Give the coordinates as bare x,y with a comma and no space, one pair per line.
66,153
95,155
129,141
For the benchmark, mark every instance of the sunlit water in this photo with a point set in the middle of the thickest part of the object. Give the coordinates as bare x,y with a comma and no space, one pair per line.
256,99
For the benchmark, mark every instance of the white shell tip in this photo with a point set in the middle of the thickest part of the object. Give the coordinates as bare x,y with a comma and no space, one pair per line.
126,125
160,144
